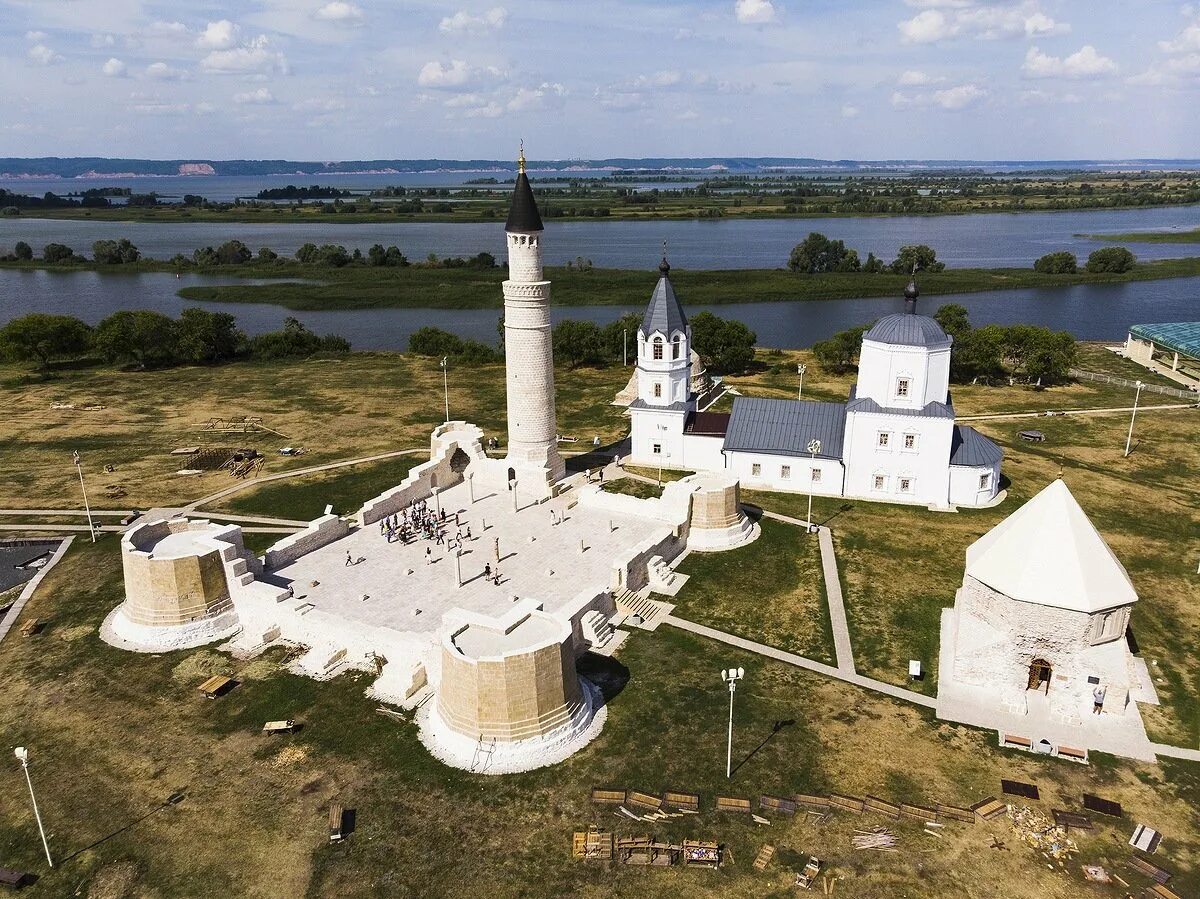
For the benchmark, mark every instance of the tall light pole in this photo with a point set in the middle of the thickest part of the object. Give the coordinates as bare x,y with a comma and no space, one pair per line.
814,447
1133,418
800,370
625,347
22,755
446,387
731,676
86,507
661,453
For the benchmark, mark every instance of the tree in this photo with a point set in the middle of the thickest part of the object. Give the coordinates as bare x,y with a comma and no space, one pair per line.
840,352
724,346
114,252
141,336
618,335
874,265
1051,357
40,337
55,253
23,251
391,257
1116,260
576,342
332,254
233,252
295,340
307,253
918,257
976,354
266,254
818,254
953,319
1061,263
430,341
205,336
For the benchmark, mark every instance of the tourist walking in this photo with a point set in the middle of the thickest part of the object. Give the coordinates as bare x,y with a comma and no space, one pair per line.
1098,700
349,560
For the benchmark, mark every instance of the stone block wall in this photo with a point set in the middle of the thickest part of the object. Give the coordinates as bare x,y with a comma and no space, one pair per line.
174,590
320,532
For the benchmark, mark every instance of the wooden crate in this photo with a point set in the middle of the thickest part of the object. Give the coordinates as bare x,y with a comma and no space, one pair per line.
813,803
764,857
593,845
881,807
989,808
645,800
918,812
217,685
608,796
777,804
955,813
846,803
688,802
701,853
733,804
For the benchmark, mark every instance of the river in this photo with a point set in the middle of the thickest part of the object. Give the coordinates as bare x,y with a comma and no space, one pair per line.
985,240
1090,312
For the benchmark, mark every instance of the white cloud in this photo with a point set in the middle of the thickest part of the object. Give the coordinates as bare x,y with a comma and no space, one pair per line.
1170,71
455,73
666,78
220,35
257,56
959,97
159,107
260,97
100,41
1084,63
174,29
114,68
36,36
160,71
850,112
754,12
927,27
1041,25
915,78
1188,41
41,55
987,21
462,21
205,108
545,94
339,11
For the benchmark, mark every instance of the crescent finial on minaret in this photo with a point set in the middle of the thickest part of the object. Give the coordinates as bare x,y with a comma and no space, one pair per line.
521,159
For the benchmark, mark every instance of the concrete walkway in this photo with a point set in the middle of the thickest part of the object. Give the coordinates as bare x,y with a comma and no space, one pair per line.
78,513
1059,413
790,658
1176,752
11,616
120,528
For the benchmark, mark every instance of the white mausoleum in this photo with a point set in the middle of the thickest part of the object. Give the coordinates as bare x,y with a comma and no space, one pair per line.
894,441
1038,626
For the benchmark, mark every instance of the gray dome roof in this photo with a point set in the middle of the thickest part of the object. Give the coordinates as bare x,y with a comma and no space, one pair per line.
903,329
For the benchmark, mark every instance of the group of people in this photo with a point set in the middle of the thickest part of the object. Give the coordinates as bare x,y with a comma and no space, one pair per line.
418,520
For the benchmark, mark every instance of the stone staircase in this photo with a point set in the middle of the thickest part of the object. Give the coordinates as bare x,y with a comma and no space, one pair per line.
597,629
650,611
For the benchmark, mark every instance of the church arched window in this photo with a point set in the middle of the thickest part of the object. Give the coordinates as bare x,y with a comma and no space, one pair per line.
677,347
658,348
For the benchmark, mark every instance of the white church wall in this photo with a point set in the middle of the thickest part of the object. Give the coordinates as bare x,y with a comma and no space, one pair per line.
651,429
876,447
671,375
788,474
968,487
882,368
699,453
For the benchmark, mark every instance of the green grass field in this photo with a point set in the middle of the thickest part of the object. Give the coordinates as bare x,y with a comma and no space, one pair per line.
1192,236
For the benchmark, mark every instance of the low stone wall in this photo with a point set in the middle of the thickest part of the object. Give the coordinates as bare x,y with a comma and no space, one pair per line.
320,532
630,572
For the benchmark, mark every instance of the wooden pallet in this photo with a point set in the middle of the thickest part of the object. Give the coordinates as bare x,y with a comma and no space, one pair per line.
846,803
881,807
764,857
592,845
1103,806
918,812
1071,819
989,808
813,803
955,813
733,804
1151,870
776,804
1159,891
685,802
645,800
608,796
1017,788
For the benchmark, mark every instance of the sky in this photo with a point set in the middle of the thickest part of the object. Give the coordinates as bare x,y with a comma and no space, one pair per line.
366,79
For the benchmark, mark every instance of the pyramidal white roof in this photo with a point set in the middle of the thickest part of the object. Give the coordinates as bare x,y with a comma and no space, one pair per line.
1048,552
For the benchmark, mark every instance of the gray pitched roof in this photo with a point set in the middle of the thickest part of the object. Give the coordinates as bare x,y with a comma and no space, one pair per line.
640,403
664,312
784,427
972,449
903,329
930,410
523,213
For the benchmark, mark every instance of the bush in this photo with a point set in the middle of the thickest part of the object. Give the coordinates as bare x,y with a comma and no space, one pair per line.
917,257
578,342
840,352
114,252
1113,260
1061,263
38,337
818,254
141,336
723,346
205,336
429,341
23,252
294,341
54,253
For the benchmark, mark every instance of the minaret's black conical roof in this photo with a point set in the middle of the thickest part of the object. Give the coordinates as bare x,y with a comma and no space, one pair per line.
523,214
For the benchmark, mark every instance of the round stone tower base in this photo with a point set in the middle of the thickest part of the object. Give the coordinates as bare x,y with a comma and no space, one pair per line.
717,520
487,757
117,630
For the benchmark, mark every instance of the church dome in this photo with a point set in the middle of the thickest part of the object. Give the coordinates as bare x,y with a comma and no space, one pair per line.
903,329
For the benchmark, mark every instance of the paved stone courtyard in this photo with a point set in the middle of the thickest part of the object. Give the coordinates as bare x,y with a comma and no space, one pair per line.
549,568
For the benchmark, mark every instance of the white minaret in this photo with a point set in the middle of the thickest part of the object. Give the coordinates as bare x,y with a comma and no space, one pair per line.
528,355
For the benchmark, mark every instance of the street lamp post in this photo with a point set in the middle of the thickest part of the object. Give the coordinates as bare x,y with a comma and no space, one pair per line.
446,387
800,370
22,755
814,447
625,347
731,676
86,507
661,453
1133,418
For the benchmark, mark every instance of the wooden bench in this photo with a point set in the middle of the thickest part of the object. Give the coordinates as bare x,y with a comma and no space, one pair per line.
1014,740
1151,870
685,802
701,853
1068,820
31,627
279,727
1070,752
336,813
813,803
733,804
989,808
592,845
918,812
954,813
881,807
645,800
608,796
1160,891
764,857
217,685
846,803
777,804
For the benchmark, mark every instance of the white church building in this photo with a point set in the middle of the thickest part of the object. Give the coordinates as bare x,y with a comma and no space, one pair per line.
895,440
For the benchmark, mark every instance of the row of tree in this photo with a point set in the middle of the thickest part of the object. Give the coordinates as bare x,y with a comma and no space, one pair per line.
818,255
1117,260
723,345
991,353
149,339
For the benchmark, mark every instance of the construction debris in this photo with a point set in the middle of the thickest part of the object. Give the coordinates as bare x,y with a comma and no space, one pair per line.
1096,874
1040,832
878,838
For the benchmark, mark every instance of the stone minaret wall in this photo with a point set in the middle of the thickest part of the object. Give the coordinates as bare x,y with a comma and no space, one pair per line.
529,361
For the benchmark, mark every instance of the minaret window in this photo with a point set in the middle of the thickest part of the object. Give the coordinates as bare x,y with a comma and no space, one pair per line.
658,348
657,391
902,387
